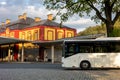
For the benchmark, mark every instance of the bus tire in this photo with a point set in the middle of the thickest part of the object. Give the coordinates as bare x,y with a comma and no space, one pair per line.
85,65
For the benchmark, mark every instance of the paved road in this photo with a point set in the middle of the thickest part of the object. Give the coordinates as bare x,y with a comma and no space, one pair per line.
47,71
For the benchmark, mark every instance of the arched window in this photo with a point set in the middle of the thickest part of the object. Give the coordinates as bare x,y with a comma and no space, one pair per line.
50,35
12,34
60,35
36,36
29,35
23,35
69,34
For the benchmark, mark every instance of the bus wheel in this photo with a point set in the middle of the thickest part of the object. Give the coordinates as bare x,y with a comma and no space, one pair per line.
85,65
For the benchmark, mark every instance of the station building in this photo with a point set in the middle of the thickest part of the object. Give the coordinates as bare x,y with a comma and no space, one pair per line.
35,30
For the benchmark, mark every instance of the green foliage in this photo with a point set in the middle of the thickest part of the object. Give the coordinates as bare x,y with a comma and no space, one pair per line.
116,32
116,29
67,8
93,30
107,11
99,30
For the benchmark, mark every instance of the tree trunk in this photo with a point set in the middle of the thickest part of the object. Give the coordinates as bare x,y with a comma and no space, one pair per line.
110,27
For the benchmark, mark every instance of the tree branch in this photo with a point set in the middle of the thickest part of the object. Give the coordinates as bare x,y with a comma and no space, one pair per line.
97,11
113,3
71,4
116,17
108,10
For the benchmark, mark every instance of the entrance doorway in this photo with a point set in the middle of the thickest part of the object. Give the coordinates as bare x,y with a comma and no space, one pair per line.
15,50
41,54
4,54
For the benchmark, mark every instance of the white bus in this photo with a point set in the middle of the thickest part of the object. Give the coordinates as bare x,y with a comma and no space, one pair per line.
93,53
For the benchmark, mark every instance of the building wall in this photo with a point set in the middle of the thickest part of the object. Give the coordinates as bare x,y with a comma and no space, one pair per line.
30,34
49,33
60,34
69,33
40,33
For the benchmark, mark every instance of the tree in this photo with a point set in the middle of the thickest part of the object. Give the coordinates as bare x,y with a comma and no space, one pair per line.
93,30
107,11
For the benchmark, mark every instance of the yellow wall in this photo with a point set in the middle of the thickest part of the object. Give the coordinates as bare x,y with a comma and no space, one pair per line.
69,33
48,34
12,34
60,34
2,35
26,35
8,33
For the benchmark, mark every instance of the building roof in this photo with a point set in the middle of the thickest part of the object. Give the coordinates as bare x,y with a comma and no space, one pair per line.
18,24
47,23
61,41
2,29
76,38
23,21
7,40
29,22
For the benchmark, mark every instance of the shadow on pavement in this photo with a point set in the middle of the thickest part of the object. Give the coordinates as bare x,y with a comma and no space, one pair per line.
93,69
30,65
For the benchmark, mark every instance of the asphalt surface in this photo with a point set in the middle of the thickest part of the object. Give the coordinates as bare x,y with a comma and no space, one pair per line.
48,71
29,65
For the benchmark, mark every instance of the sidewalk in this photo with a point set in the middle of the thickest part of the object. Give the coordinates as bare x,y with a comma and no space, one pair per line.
30,62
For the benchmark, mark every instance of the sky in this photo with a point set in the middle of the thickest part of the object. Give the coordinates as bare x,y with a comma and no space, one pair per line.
10,9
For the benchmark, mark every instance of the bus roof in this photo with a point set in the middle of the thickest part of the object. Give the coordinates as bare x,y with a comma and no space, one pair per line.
108,39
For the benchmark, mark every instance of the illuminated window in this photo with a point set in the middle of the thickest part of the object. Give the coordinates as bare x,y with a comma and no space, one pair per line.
50,35
23,35
29,35
69,35
7,32
60,35
12,34
36,35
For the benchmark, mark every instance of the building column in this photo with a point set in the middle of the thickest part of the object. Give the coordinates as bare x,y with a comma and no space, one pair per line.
22,55
52,53
9,54
45,55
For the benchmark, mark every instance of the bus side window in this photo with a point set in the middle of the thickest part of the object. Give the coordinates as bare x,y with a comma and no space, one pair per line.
66,48
117,48
98,49
83,49
77,49
71,48
86,49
